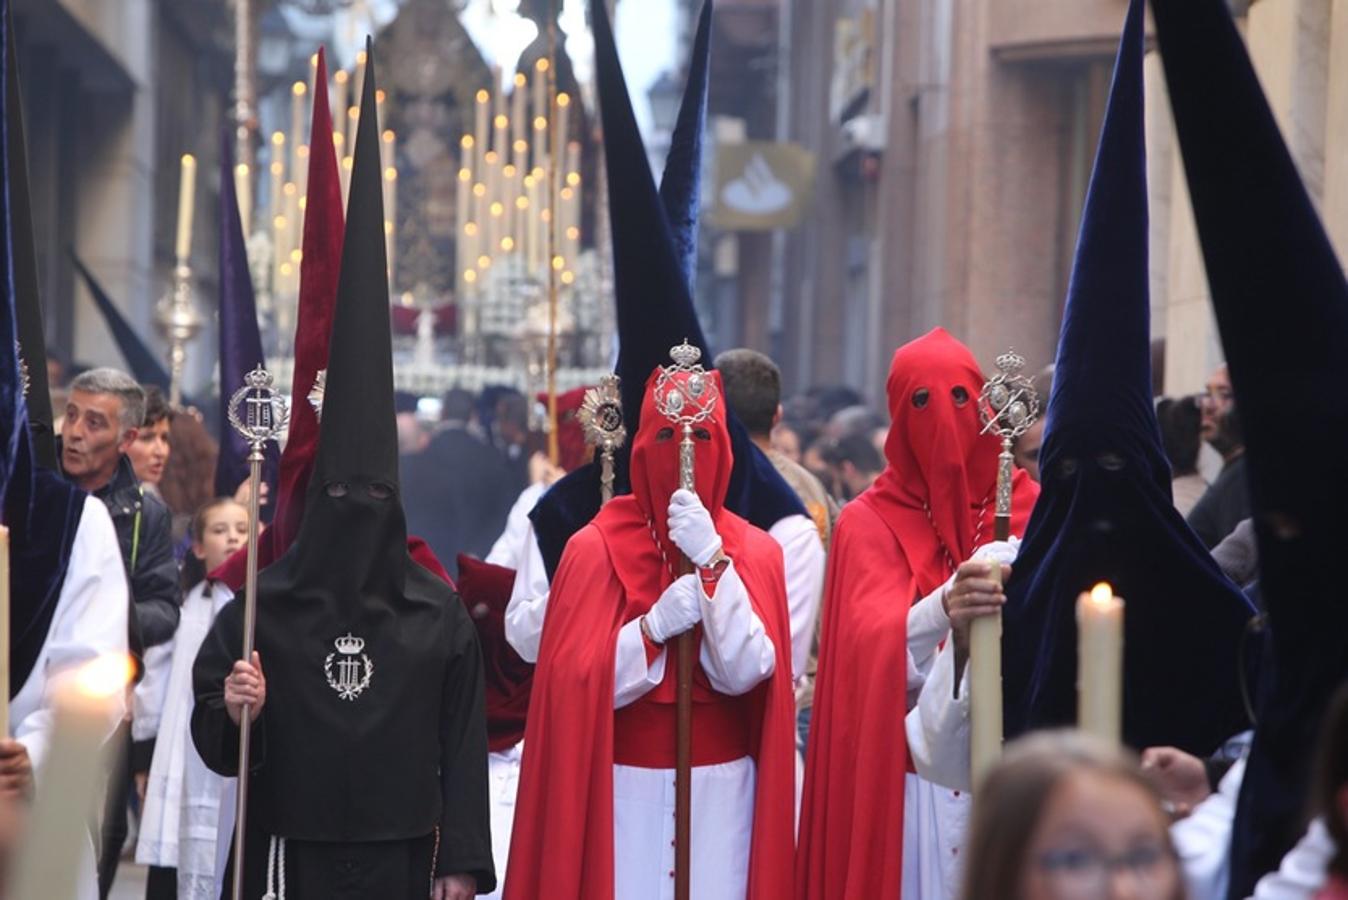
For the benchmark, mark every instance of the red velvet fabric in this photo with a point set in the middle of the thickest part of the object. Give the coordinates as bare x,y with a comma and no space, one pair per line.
485,590
572,451
319,268
888,552
613,570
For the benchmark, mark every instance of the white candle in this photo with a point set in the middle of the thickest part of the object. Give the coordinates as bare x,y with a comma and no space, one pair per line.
340,80
480,135
985,691
4,631
298,90
391,218
1100,663
57,836
563,114
389,151
243,189
187,187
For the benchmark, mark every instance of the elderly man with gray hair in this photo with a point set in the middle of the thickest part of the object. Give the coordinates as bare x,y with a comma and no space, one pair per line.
104,411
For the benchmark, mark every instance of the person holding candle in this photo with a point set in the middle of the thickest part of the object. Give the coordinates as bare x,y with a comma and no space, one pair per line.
1106,513
64,592
908,569
366,690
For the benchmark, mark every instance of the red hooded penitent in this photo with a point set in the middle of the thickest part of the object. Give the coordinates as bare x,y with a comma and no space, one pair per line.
895,544
613,570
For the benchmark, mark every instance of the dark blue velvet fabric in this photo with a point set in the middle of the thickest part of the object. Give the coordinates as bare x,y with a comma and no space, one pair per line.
654,251
1105,512
1282,308
240,339
144,366
41,510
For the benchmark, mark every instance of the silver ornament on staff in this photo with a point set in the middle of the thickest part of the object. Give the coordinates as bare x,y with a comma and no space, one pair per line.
686,396
1008,406
259,413
601,418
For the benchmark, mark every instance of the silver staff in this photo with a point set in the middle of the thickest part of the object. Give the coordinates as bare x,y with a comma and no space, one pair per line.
601,417
686,402
1008,407
259,413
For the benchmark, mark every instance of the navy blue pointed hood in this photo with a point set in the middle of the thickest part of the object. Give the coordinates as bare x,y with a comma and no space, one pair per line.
240,338
1282,309
681,183
40,508
1105,512
140,359
652,256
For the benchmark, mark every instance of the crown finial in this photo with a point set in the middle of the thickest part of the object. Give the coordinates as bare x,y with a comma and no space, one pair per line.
349,644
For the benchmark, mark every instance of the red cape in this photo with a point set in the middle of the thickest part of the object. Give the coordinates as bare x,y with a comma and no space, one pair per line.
562,846
851,821
485,591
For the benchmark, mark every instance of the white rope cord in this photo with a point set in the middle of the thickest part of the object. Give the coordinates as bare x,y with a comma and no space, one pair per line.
276,869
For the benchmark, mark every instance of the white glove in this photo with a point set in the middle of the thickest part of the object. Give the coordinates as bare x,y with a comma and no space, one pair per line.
678,609
691,528
1004,552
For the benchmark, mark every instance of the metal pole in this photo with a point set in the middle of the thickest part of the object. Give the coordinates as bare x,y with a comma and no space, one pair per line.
683,736
245,87
249,633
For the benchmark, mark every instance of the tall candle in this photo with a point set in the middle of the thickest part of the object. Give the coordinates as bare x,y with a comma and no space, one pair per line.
340,81
389,148
243,189
518,115
298,90
278,170
480,135
187,187
4,632
1100,663
357,89
563,114
57,834
345,177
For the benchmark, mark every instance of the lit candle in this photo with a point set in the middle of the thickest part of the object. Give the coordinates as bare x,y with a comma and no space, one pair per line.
985,693
243,189
57,833
563,113
463,217
480,136
278,170
379,98
345,175
340,79
292,217
4,631
389,148
297,92
518,116
541,87
357,88
1100,663
187,186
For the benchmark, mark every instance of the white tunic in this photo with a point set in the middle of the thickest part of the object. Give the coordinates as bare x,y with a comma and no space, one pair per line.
182,799
90,620
737,654
503,782
802,556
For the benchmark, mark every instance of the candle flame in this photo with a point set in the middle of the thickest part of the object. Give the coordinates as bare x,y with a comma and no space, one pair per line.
1102,593
380,96
361,58
540,123
521,202
542,65
563,100
483,96
520,80
241,169
501,122
390,174
189,161
466,142
296,255
470,275
299,88
465,175
105,676
341,76
568,277
278,138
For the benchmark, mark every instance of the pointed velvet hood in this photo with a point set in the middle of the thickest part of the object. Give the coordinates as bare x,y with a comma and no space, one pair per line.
1282,308
240,338
324,222
27,301
652,259
40,508
1105,511
348,589
681,184
144,366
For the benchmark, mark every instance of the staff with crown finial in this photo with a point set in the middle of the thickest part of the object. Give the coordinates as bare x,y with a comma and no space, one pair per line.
259,413
601,416
686,397
1008,406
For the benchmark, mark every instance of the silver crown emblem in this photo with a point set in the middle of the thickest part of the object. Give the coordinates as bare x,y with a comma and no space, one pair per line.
349,645
349,670
1010,362
685,355
258,379
1008,404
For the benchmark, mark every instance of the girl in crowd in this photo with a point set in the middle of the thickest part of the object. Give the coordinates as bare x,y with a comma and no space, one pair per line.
1066,816
182,801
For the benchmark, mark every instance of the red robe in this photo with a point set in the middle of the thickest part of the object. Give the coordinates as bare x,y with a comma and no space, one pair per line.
563,841
890,550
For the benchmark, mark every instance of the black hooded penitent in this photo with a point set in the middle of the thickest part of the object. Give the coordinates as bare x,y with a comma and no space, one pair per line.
654,253
1282,309
1105,511
374,727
